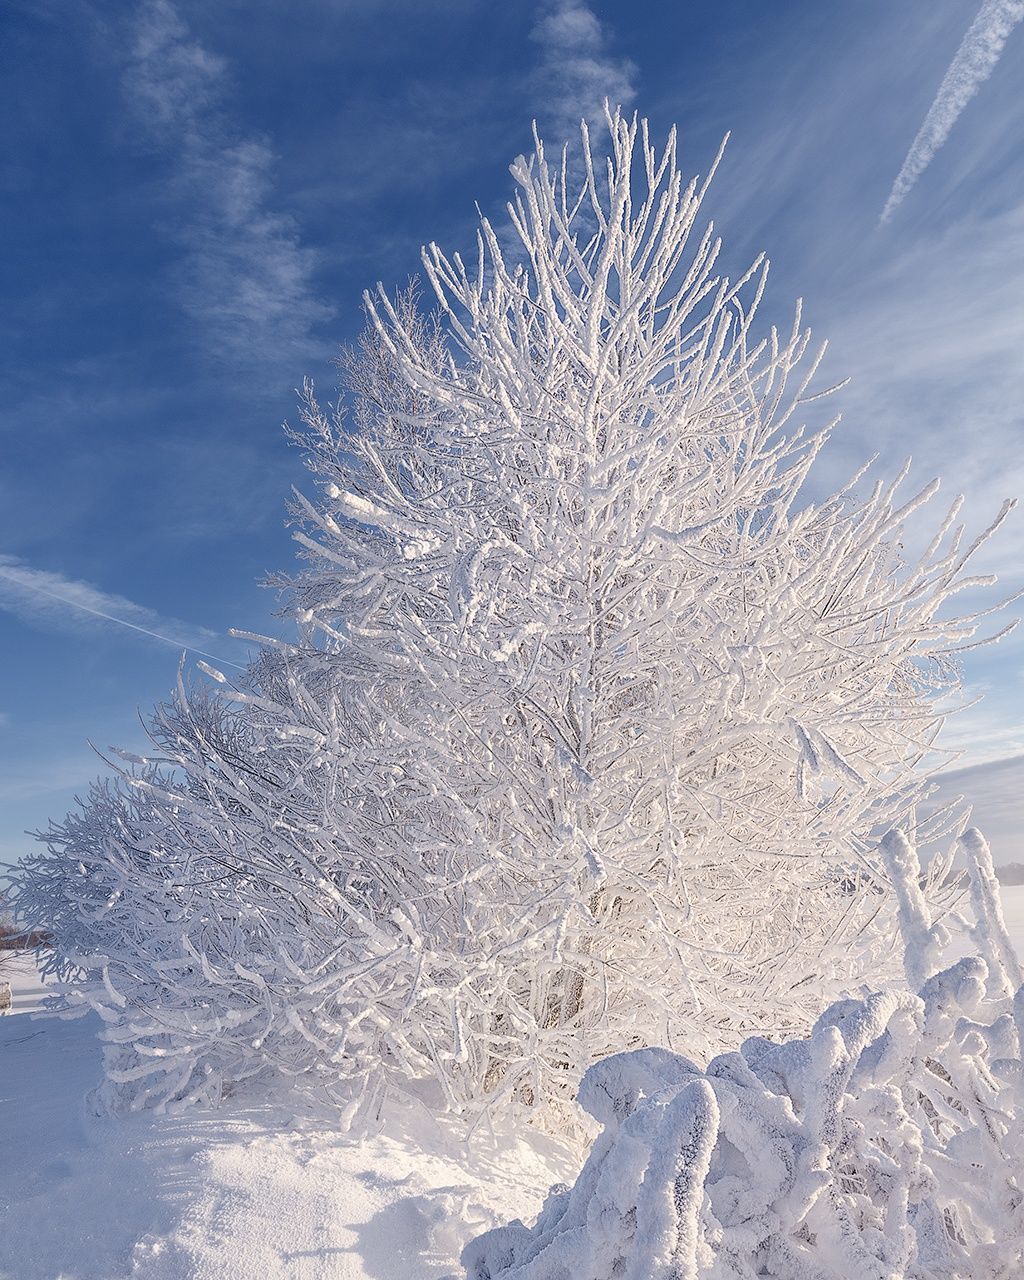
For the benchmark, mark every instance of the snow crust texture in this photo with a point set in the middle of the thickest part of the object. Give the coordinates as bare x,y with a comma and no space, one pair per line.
886,1145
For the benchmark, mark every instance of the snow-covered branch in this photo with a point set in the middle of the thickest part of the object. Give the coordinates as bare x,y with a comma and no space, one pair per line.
886,1144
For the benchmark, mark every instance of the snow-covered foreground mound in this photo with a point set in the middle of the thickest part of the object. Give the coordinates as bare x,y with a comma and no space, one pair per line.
887,1145
248,1192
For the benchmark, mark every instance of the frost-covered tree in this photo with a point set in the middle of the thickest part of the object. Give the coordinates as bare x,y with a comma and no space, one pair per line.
593,720
653,706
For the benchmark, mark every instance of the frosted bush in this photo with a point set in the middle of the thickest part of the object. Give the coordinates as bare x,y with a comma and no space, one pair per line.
886,1145
591,720
194,906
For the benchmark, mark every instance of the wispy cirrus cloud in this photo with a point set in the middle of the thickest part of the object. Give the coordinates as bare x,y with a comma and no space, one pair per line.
40,597
932,337
971,67
246,276
576,71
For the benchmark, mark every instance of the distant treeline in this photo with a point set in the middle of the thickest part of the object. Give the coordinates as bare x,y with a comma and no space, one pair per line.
1012,873
12,939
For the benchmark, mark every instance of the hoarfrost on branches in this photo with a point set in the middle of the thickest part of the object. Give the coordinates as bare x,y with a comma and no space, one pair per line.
886,1145
591,724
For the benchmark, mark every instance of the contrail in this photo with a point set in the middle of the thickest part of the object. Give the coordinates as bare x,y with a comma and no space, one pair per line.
576,72
23,582
971,67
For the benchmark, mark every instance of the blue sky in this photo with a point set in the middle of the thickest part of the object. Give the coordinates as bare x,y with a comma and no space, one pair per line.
194,196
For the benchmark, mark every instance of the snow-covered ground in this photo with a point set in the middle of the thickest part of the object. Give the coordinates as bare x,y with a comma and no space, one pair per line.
26,987
250,1192
246,1193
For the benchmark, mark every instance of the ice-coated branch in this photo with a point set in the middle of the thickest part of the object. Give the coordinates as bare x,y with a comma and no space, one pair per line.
989,931
923,942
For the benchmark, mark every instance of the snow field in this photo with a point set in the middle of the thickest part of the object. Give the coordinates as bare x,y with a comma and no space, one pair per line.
247,1192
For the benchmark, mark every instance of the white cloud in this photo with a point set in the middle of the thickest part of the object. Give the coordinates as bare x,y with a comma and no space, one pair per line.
576,72
985,733
41,598
932,340
246,277
978,54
